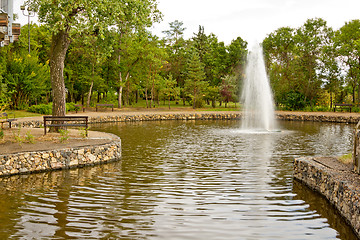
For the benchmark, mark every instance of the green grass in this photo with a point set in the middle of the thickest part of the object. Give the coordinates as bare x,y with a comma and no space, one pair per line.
142,104
347,159
21,114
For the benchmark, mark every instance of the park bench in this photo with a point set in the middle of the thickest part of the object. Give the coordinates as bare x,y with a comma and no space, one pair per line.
78,107
66,121
342,105
105,105
6,119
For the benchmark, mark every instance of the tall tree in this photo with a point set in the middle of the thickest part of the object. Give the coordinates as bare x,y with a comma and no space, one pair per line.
310,39
135,17
347,41
195,85
67,18
176,50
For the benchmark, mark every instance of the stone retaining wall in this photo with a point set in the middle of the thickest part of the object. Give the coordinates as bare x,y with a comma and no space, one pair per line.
319,118
201,116
336,184
29,162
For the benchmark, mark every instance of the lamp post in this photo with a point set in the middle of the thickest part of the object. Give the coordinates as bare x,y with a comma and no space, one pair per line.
29,14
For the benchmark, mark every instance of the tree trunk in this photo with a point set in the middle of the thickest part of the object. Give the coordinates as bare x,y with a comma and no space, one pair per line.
146,97
59,45
89,95
120,95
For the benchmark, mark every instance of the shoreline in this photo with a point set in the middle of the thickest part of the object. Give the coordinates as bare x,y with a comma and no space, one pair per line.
159,115
335,181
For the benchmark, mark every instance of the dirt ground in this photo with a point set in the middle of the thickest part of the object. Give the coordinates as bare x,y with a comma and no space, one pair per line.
33,139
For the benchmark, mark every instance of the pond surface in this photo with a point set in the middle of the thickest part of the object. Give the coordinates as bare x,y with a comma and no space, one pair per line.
183,180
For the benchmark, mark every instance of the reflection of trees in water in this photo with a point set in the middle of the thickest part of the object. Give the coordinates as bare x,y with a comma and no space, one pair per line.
100,201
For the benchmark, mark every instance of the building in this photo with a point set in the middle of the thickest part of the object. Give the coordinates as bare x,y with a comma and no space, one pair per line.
9,31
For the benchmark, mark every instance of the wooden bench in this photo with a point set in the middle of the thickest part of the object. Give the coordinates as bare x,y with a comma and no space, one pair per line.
105,105
78,107
7,119
343,105
66,121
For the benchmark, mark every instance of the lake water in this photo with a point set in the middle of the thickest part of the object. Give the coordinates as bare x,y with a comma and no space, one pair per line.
183,180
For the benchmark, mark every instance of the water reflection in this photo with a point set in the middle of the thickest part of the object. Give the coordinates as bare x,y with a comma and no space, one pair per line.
182,180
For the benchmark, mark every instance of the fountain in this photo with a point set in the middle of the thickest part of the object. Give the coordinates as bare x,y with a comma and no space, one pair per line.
258,104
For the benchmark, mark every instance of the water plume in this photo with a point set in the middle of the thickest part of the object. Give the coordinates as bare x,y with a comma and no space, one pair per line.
257,100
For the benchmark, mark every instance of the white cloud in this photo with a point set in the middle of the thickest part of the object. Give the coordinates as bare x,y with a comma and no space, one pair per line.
253,19
248,19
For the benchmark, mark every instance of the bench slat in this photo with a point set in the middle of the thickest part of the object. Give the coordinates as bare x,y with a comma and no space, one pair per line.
61,121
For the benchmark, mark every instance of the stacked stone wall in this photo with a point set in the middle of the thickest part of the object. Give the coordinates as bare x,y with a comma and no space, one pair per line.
30,162
342,192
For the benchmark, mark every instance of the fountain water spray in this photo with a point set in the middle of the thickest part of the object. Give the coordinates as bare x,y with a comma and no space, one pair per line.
258,105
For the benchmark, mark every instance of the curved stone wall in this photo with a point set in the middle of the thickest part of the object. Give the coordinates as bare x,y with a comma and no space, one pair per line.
29,162
334,181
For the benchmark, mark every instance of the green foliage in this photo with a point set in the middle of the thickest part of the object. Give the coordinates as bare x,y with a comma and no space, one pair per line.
26,79
346,159
70,107
17,136
195,85
294,100
83,132
64,135
1,134
45,109
29,137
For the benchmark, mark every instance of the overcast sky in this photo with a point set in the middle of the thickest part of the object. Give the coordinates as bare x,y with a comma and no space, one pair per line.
251,20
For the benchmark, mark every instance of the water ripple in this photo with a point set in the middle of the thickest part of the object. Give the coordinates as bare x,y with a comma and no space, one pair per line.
185,181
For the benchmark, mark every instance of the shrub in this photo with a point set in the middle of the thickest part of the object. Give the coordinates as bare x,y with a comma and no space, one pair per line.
294,100
41,109
70,107
64,135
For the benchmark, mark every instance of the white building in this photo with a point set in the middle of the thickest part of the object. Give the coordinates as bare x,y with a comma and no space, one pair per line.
9,31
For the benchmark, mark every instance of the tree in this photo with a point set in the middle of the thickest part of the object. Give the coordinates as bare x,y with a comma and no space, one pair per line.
137,15
347,42
310,40
228,89
4,99
67,18
26,79
279,56
169,89
195,76
176,51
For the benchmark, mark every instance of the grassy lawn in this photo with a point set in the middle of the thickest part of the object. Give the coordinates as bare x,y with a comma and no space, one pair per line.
173,106
20,114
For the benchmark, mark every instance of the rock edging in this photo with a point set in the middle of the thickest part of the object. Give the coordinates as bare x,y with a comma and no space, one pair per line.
318,118
200,116
334,184
31,162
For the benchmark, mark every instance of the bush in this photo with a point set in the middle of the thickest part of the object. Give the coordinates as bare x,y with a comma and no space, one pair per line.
45,109
294,100
70,107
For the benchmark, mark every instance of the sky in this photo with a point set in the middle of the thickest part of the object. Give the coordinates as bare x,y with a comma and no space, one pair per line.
252,20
